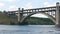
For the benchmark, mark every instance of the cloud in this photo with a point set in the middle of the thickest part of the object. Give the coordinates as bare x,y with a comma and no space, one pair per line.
1,5
13,8
28,6
58,1
12,0
47,4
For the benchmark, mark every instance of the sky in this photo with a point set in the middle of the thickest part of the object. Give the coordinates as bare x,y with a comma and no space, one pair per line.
11,5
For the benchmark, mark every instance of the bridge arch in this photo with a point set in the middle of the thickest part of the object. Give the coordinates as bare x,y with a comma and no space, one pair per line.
49,16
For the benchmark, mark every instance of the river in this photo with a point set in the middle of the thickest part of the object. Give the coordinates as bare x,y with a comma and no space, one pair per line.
29,29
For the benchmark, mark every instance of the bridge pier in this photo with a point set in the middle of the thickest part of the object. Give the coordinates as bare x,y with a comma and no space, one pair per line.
57,15
20,15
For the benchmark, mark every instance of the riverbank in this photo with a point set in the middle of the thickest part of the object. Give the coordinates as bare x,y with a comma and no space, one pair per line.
12,20
7,19
38,21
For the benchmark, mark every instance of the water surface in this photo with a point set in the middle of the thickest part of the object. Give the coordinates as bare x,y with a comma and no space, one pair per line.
29,29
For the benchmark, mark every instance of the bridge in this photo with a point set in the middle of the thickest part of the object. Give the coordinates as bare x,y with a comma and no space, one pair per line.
52,12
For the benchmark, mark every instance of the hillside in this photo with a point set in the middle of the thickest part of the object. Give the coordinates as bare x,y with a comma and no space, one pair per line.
6,19
12,19
38,21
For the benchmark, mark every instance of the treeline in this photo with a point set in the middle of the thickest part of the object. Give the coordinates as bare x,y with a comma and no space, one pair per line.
5,18
38,21
12,19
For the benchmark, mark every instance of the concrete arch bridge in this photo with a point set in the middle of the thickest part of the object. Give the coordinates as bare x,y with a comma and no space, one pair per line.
48,11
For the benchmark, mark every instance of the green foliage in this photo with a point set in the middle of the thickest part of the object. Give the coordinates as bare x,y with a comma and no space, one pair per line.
12,23
6,19
39,21
23,23
12,19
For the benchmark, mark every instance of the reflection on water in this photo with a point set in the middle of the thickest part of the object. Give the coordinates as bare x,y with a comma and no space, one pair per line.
29,29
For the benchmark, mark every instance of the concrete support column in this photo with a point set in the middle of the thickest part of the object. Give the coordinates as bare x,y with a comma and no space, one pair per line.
57,14
21,14
52,13
18,14
27,12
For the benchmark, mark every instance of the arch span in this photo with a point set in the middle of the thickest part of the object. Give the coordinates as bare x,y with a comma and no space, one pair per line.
49,16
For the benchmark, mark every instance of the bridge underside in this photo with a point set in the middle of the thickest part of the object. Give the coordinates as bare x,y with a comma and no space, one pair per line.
49,16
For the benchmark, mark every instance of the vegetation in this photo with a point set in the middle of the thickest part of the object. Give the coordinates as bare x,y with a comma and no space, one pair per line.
6,19
39,21
12,19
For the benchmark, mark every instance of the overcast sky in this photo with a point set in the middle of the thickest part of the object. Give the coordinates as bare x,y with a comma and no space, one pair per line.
27,4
